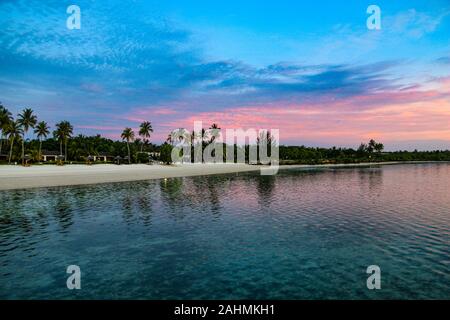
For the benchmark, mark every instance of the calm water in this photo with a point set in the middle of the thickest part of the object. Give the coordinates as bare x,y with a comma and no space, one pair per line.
303,234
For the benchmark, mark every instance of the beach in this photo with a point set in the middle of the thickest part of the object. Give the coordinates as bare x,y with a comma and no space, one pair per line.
18,177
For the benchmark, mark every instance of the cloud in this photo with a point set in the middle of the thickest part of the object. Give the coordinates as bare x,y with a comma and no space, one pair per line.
414,24
128,64
390,115
425,119
235,81
126,57
443,60
113,38
121,48
123,53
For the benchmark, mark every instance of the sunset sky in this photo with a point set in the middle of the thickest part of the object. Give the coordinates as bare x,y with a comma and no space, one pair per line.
311,69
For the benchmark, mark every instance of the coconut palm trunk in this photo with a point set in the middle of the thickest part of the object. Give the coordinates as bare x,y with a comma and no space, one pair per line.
11,150
128,135
1,143
144,131
42,130
129,154
23,149
26,120
65,150
40,150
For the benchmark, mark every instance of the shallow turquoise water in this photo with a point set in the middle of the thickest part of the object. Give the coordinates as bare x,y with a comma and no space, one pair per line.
302,234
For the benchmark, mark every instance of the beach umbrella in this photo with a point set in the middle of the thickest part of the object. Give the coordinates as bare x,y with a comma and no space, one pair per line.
117,159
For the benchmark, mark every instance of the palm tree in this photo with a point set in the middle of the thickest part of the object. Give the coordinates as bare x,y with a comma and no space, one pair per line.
266,140
362,149
170,138
266,137
144,132
128,135
183,135
371,145
42,130
63,132
27,120
204,137
68,131
215,132
379,147
58,135
177,135
194,136
14,131
5,118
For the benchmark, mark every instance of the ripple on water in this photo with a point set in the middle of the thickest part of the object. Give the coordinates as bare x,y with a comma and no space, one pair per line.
302,234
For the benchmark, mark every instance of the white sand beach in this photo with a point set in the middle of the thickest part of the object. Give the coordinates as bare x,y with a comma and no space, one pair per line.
18,177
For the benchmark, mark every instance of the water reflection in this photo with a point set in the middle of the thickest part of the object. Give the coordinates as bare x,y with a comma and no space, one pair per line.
265,186
212,189
172,196
372,178
136,201
13,215
211,236
192,193
62,209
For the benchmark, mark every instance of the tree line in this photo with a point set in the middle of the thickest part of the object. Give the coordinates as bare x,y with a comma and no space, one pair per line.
134,147
77,148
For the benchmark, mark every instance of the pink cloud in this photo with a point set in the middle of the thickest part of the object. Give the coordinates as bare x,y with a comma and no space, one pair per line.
409,116
144,113
92,87
100,128
412,114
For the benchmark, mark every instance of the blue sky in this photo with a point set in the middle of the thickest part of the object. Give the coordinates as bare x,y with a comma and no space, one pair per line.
312,68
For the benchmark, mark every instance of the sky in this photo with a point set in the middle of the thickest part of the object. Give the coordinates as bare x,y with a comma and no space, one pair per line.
312,69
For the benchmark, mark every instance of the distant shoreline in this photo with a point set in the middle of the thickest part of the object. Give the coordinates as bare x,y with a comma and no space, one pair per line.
18,177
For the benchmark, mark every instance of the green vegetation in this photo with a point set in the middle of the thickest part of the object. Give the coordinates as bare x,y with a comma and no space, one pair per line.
144,131
26,120
365,153
166,152
15,147
14,132
42,130
128,136
63,132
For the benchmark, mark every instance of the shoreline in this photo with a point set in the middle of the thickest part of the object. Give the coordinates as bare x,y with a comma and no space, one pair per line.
39,176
